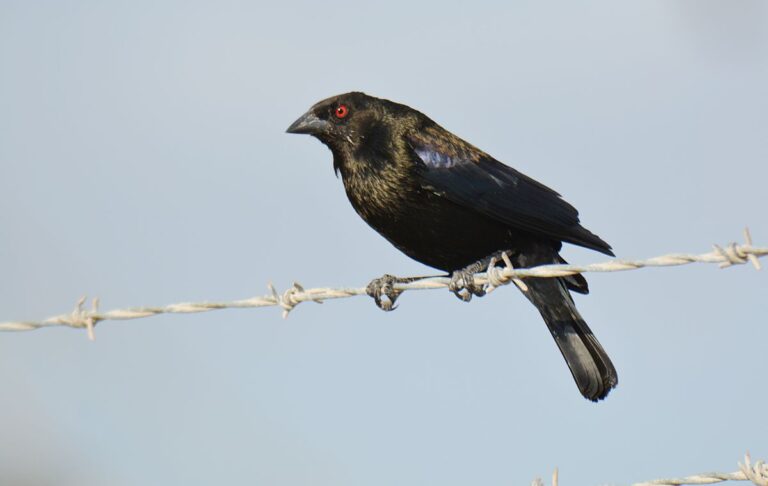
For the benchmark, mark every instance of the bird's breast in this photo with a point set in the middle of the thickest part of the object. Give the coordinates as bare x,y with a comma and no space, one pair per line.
377,195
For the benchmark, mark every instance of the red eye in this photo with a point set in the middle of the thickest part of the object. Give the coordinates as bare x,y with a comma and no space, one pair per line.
341,111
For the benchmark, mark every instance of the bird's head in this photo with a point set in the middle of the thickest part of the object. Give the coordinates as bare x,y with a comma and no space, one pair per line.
347,121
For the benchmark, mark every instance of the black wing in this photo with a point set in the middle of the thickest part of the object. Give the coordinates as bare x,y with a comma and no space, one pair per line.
469,177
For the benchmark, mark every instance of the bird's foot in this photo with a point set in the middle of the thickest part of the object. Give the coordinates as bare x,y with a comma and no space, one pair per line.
463,283
383,291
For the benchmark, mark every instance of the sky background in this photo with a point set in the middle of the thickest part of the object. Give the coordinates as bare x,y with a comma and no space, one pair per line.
143,160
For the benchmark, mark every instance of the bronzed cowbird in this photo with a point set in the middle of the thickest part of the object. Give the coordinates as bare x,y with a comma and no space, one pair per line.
453,207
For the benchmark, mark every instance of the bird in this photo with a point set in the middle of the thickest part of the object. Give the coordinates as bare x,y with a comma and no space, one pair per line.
449,205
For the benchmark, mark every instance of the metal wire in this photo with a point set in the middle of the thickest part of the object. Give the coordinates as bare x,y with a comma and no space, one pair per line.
757,473
82,318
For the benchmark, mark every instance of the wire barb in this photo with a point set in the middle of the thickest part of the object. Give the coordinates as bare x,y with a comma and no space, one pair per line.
492,278
758,473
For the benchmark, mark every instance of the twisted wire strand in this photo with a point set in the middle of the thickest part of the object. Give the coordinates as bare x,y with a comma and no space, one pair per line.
82,318
757,473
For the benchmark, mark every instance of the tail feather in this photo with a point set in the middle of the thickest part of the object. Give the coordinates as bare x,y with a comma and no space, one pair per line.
590,365
576,282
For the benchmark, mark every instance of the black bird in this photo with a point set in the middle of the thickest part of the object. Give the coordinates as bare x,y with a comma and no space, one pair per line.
449,205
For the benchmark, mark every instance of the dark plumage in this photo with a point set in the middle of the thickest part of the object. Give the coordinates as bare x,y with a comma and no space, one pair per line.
448,204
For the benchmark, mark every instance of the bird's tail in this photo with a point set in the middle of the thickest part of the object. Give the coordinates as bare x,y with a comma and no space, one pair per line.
589,363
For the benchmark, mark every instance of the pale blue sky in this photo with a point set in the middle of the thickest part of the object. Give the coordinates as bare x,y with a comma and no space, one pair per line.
143,160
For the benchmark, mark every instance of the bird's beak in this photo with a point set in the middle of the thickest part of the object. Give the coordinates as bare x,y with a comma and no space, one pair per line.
308,123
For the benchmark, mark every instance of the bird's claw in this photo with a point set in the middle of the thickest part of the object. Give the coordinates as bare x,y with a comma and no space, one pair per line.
463,285
384,287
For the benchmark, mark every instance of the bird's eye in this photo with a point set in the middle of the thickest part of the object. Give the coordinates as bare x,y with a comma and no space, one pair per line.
341,111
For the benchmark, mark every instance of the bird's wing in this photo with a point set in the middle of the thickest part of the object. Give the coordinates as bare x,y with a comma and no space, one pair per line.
467,176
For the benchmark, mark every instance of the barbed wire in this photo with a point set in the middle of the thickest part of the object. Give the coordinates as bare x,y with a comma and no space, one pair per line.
82,318
757,473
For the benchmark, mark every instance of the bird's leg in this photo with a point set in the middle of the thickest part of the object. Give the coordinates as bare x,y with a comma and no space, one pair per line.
385,287
463,283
